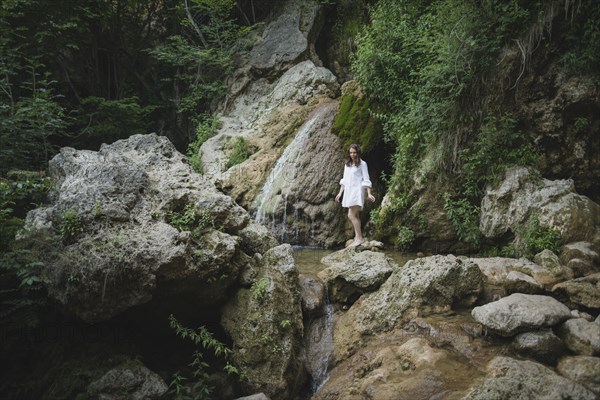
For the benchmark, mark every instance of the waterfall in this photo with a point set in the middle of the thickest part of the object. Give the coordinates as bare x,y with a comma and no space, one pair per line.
281,178
319,345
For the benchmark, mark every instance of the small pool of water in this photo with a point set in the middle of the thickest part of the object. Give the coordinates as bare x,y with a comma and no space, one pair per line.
308,260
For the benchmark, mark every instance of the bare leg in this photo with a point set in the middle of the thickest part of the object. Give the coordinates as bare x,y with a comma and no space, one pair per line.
353,216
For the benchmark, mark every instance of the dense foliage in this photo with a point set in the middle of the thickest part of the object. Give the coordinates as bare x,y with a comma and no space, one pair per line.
427,65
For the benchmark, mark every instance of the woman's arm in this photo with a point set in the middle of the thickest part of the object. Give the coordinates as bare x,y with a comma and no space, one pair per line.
342,182
366,180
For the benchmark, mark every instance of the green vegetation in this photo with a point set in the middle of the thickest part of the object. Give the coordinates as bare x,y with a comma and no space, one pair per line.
204,340
405,238
259,289
191,219
70,225
239,154
356,124
207,127
535,238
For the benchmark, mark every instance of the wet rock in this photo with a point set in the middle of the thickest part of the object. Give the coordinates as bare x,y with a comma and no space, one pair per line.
543,346
132,242
581,336
313,295
505,208
392,370
265,325
524,380
423,286
580,292
582,369
350,274
518,282
257,238
581,257
133,378
521,312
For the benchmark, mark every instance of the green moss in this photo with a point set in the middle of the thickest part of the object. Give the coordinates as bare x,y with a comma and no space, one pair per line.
239,154
356,124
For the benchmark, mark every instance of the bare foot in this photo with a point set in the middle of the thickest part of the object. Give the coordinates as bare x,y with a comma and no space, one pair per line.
357,243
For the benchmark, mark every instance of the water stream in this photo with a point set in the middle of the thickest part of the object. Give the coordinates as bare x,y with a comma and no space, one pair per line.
274,199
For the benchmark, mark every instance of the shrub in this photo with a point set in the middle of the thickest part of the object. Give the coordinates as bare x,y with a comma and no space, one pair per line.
239,154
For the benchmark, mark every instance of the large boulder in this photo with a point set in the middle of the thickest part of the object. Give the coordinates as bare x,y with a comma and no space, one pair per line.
136,223
580,257
350,274
130,380
521,312
522,194
582,369
580,292
524,380
265,325
423,286
581,336
544,346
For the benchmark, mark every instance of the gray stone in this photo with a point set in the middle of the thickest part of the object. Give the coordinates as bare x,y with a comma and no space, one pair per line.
127,197
581,369
258,396
313,295
496,270
580,292
265,325
581,257
518,282
581,336
521,312
521,194
423,286
257,238
544,346
350,274
525,380
132,378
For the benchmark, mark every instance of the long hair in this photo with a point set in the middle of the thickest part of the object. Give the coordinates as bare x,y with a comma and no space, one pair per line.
357,148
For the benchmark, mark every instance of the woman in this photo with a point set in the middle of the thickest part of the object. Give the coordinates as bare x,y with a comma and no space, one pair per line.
352,185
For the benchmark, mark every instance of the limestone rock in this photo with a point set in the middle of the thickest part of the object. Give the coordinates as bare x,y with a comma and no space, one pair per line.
580,292
496,270
389,370
313,295
544,346
521,312
580,257
350,274
518,282
130,202
132,378
581,336
524,380
258,396
582,369
423,286
265,325
257,238
547,259
520,195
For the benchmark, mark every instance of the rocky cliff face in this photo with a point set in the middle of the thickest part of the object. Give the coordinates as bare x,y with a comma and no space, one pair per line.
280,104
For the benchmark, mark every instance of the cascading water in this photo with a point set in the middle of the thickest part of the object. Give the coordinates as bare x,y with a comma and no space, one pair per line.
272,201
319,346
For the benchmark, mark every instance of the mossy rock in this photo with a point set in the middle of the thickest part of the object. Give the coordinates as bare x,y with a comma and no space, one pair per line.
356,124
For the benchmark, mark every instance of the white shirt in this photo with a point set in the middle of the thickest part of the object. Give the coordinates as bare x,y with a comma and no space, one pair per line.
355,180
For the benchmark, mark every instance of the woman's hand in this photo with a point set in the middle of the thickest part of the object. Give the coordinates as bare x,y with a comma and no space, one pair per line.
337,198
371,197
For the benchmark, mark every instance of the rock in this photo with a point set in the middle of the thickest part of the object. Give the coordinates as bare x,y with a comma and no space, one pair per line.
543,346
581,336
423,286
581,369
580,292
133,378
518,282
265,325
581,314
547,259
581,257
313,295
597,320
391,370
257,238
496,270
524,380
521,312
258,396
520,195
129,203
350,274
